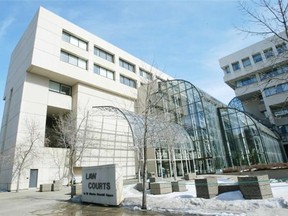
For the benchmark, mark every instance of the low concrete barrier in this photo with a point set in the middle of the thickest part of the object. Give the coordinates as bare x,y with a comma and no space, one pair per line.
160,187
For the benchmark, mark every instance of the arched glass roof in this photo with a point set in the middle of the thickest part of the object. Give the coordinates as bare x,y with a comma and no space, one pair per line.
158,133
237,104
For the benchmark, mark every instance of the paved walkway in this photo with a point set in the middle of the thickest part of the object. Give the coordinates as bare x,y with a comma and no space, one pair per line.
33,202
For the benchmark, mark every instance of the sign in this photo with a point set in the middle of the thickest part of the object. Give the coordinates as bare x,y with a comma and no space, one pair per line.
102,184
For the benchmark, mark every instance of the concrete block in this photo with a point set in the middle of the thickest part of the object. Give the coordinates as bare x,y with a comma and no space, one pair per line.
139,186
206,188
151,174
160,188
154,179
178,186
56,187
190,176
255,187
76,189
45,187
59,182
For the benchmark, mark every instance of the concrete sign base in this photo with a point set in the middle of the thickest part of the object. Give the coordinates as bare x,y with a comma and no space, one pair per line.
102,184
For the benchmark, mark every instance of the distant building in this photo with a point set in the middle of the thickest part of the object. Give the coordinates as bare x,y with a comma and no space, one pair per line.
58,67
259,76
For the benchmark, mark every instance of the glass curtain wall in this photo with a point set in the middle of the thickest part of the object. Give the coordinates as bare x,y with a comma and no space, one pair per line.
246,143
180,102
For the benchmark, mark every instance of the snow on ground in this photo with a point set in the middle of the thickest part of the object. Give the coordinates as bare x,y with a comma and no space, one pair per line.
226,204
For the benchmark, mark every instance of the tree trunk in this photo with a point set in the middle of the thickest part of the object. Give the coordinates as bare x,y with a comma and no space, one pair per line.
18,180
144,194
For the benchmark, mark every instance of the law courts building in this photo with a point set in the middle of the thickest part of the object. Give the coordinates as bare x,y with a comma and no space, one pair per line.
58,67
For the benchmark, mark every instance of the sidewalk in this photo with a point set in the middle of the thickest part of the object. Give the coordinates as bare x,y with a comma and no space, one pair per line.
33,202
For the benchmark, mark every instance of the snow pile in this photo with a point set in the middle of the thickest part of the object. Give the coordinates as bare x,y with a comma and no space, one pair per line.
230,203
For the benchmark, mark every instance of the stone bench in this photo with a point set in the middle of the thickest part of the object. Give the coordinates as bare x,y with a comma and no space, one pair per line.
223,188
45,187
160,188
206,188
255,187
178,186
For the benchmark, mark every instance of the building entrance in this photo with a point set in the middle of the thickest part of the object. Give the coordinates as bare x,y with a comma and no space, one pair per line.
33,178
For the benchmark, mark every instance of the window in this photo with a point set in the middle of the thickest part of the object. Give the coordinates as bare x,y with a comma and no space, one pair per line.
60,88
236,66
281,48
103,54
226,69
127,81
268,53
274,72
257,57
74,60
280,112
276,89
74,40
103,72
127,65
283,129
246,81
246,62
146,74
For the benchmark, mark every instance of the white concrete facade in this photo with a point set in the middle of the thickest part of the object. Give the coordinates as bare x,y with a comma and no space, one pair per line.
50,74
259,76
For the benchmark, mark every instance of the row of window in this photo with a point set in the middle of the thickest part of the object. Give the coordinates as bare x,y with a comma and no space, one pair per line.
246,81
281,112
257,57
66,57
74,60
265,75
60,88
274,72
276,89
98,52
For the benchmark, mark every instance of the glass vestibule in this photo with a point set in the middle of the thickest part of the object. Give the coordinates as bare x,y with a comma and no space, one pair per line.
168,141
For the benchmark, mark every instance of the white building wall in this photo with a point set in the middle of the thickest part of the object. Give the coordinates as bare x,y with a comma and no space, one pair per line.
34,62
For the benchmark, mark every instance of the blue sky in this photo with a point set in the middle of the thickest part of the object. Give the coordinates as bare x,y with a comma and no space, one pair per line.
184,38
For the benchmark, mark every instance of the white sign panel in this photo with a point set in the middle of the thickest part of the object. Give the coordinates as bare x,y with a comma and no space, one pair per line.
102,184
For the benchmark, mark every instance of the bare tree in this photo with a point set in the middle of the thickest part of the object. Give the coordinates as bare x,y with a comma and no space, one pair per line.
268,17
70,131
156,131
25,150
